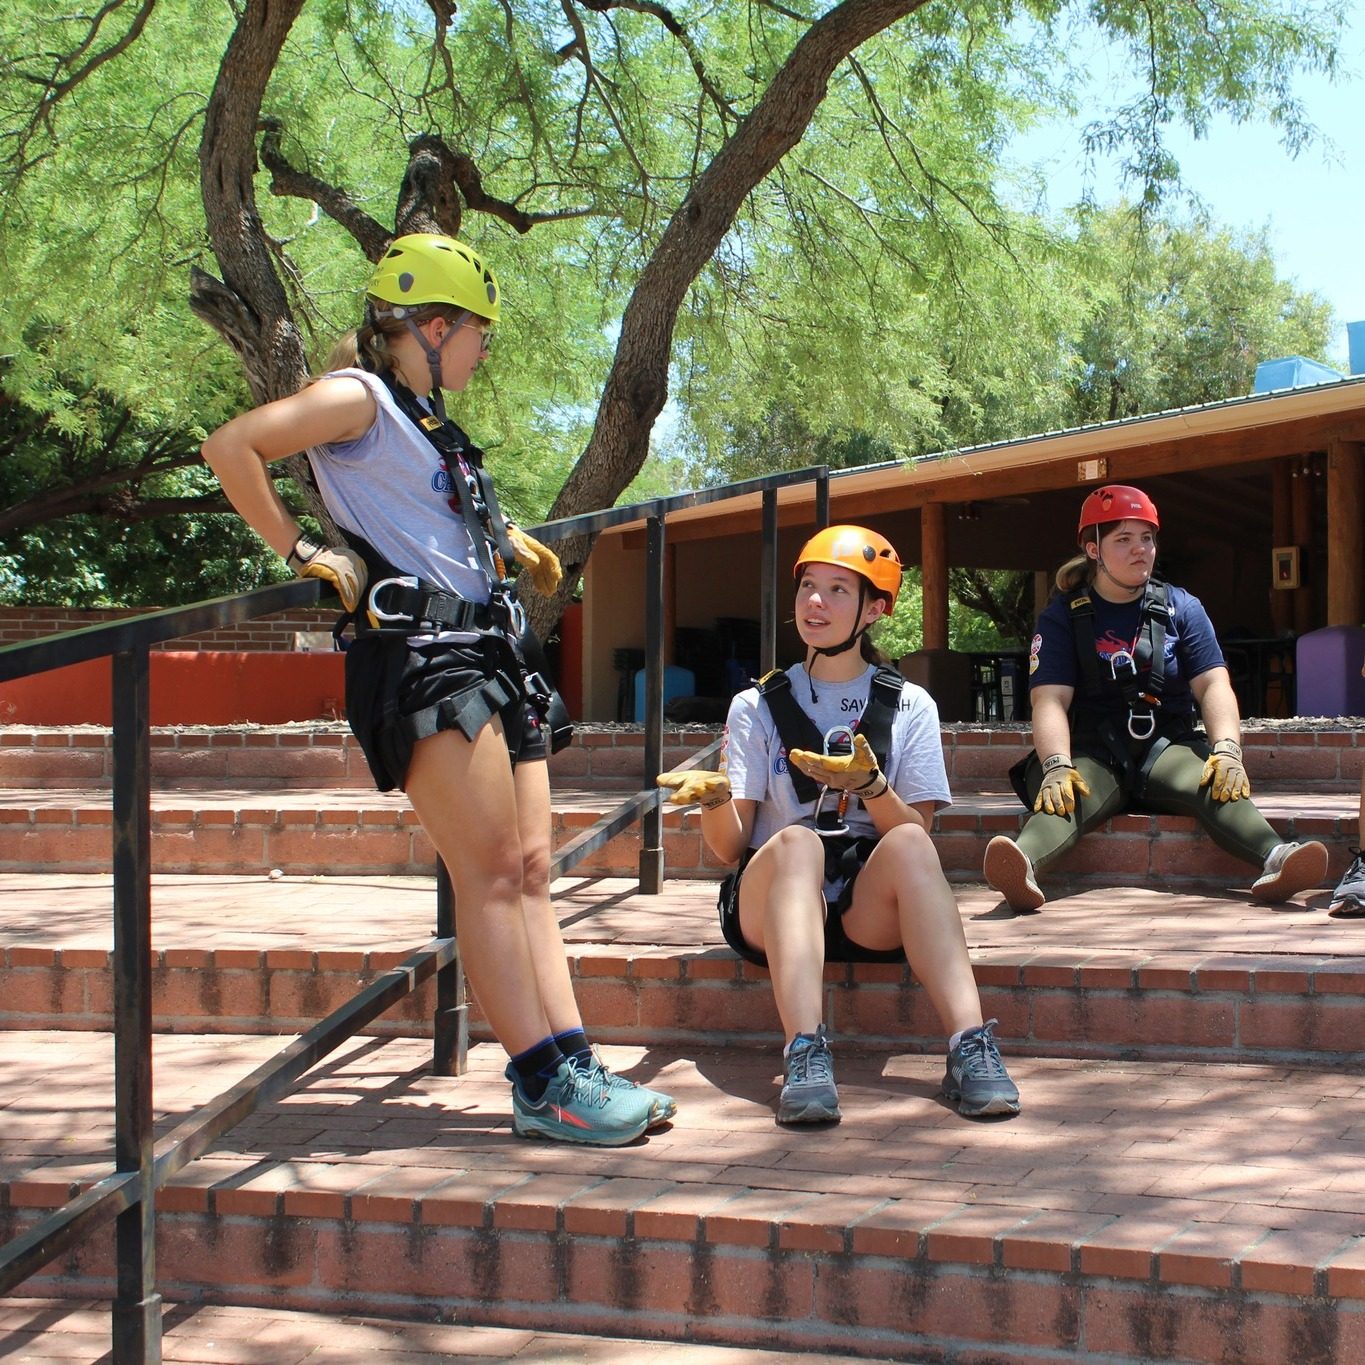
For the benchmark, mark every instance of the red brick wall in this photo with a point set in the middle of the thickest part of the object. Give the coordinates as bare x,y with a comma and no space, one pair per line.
266,633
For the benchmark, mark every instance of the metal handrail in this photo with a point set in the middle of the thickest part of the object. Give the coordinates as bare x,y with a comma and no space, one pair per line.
127,1195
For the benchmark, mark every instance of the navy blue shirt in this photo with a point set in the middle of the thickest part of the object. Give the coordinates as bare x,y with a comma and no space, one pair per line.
1191,649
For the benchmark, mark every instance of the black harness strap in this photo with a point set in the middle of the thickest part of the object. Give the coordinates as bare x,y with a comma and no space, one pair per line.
478,502
1140,677
798,731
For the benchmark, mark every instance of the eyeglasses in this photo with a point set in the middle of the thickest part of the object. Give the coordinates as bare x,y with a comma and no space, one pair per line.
485,336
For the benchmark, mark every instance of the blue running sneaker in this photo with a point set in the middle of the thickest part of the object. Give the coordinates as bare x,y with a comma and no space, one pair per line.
977,1081
661,1107
809,1094
579,1105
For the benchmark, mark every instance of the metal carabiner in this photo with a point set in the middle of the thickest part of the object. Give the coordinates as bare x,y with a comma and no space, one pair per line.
1121,658
376,612
838,740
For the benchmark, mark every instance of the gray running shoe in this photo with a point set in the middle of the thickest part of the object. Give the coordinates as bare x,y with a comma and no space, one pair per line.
809,1094
1008,870
1289,869
977,1081
1348,900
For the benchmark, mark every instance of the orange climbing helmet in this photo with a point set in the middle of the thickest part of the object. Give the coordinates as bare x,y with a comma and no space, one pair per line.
858,549
1116,502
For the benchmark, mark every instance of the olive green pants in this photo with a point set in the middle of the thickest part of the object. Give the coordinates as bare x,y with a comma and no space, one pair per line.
1172,789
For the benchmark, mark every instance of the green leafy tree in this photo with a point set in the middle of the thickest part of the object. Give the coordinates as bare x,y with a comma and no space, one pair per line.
1180,314
724,202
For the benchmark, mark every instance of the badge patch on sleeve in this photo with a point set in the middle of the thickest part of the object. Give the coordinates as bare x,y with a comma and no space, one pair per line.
1034,649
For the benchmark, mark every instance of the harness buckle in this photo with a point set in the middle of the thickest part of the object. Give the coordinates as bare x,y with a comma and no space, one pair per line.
536,686
377,612
1135,721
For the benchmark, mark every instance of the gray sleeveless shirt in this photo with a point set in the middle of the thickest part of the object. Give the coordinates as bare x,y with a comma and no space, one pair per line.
389,488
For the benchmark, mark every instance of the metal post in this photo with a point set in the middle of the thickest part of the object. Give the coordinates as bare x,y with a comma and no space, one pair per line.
137,1305
652,826
822,498
450,1027
767,638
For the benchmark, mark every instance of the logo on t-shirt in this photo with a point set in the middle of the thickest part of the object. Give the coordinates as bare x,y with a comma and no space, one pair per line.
1034,650
852,705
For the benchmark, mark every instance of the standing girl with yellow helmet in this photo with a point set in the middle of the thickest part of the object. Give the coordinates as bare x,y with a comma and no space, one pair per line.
833,770
440,690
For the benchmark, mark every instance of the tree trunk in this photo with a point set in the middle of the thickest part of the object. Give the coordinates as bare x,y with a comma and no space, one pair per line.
637,386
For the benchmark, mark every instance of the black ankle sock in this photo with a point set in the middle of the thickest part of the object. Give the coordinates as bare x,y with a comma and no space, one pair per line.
536,1065
573,1042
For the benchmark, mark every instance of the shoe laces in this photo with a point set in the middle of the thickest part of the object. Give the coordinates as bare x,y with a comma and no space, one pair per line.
591,1081
809,1060
979,1054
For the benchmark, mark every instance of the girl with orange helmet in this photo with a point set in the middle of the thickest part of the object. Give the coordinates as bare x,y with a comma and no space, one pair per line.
440,691
831,776
1122,670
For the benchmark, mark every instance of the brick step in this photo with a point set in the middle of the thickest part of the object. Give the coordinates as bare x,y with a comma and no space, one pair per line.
323,831
52,1330
308,754
1109,975
1133,1211
1328,754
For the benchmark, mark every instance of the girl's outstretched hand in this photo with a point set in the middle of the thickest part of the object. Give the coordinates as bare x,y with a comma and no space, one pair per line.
706,789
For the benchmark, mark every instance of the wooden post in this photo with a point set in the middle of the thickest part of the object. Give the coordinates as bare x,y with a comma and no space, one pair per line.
934,572
1345,533
1281,529
1301,521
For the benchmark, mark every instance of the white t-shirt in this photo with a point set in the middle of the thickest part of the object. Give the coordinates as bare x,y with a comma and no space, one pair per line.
756,761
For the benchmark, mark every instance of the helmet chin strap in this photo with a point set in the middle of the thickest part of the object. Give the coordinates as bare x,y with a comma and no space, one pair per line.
1103,568
859,629
433,353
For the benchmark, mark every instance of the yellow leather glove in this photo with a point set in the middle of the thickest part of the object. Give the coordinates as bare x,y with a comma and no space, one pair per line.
338,565
538,560
1224,773
1061,785
856,772
707,789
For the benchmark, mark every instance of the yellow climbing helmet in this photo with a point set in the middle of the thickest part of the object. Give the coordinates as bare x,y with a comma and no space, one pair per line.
425,267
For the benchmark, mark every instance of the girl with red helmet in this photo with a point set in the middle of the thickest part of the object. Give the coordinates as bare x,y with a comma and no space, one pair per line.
832,773
1122,670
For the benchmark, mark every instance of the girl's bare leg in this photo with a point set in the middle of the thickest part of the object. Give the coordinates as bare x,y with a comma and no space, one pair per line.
546,941
782,913
901,898
463,793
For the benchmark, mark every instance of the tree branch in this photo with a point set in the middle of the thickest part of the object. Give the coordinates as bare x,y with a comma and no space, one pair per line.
288,181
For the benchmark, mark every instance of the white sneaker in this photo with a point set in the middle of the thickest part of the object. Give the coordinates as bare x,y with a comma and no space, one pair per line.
1289,869
1008,870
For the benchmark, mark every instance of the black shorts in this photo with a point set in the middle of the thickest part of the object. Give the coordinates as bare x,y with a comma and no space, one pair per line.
843,857
397,695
